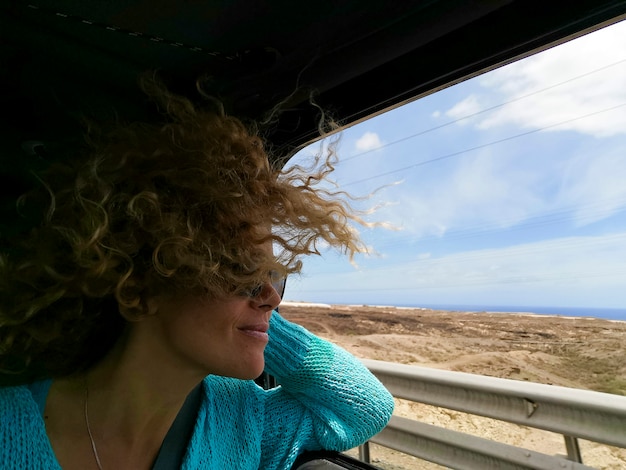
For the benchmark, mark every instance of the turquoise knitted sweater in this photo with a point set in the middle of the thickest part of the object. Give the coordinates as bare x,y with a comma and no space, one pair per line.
327,400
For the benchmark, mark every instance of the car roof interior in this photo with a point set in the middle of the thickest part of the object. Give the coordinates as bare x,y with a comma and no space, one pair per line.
65,59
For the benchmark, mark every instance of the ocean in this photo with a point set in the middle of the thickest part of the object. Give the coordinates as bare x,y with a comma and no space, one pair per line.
604,313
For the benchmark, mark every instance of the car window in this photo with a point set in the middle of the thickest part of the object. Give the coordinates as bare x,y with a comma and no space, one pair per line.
505,191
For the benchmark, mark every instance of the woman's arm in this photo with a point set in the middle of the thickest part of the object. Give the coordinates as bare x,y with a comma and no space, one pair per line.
327,399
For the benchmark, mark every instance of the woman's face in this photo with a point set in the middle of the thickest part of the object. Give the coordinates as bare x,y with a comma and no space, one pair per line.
221,337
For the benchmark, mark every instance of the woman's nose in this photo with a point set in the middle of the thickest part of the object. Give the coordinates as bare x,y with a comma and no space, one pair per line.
268,297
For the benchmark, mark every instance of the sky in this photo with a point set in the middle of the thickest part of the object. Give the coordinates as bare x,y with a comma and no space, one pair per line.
506,189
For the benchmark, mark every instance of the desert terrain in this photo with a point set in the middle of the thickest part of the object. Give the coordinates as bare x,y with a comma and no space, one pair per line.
578,352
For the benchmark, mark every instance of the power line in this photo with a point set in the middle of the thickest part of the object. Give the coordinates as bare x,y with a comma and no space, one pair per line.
547,219
482,111
478,147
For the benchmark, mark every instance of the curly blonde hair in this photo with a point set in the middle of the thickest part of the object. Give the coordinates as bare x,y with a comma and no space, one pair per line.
188,205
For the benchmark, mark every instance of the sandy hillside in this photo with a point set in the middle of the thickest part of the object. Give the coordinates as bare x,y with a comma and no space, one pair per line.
574,352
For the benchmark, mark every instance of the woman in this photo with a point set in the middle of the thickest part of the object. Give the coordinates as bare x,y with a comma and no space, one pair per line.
148,272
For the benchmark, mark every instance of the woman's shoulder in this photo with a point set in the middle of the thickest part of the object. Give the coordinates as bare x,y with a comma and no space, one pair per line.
18,409
23,440
15,394
22,399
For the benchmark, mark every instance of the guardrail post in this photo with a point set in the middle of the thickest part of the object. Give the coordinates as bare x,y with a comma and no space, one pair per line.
573,449
364,452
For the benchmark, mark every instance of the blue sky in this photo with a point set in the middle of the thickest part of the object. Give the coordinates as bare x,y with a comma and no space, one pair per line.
506,189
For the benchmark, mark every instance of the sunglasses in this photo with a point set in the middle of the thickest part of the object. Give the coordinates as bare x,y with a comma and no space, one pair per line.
278,283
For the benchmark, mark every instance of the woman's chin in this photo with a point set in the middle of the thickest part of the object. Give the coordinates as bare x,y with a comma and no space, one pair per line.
250,373
254,375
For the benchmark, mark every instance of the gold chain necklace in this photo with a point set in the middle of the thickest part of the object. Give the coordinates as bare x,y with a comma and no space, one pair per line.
93,443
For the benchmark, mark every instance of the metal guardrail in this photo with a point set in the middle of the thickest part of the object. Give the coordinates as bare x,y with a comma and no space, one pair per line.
595,416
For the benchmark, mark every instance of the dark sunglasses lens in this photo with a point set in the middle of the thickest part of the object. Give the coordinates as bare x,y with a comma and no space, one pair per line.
278,283
279,286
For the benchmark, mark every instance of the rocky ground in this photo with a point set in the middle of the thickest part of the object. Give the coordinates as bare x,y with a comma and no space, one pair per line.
576,352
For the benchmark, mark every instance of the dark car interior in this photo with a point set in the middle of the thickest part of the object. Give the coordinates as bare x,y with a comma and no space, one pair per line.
61,60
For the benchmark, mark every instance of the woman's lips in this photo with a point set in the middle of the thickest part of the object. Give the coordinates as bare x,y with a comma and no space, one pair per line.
258,331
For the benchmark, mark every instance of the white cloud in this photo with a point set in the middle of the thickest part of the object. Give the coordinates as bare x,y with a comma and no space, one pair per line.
565,271
493,191
466,107
575,84
563,260
486,191
368,141
594,183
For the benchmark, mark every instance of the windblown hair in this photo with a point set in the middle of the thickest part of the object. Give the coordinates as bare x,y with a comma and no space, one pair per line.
186,206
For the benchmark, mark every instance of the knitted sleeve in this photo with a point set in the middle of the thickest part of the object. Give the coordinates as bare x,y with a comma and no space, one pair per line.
23,440
327,398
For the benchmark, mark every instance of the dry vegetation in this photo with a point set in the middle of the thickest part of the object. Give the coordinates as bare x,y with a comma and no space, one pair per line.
576,352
